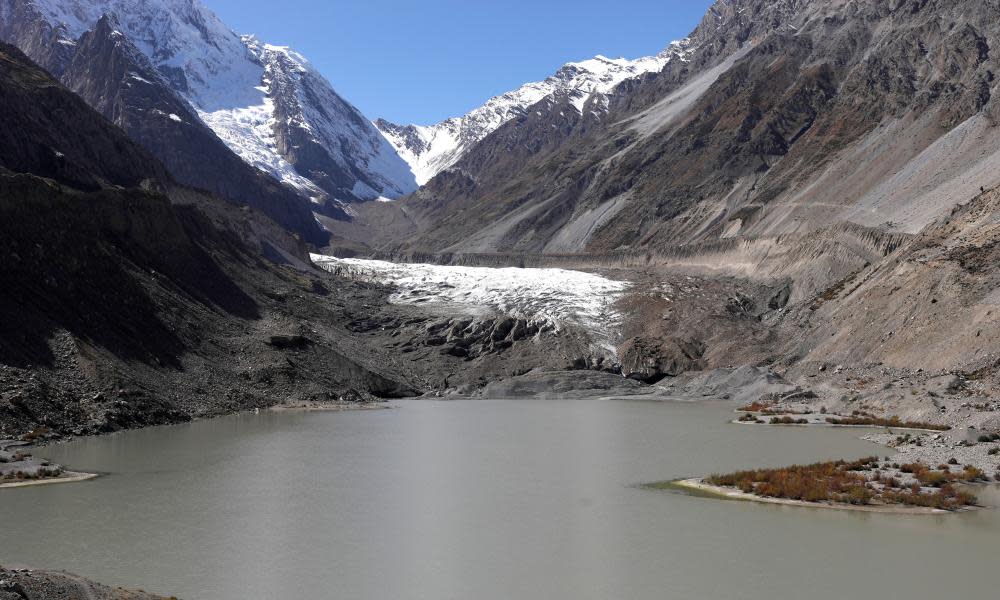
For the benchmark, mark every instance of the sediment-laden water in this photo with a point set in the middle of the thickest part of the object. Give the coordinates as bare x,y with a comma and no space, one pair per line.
476,500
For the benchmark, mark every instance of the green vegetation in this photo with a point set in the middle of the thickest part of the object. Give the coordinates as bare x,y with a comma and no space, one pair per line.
847,483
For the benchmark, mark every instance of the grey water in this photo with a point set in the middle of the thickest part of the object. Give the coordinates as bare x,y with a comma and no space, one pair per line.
476,500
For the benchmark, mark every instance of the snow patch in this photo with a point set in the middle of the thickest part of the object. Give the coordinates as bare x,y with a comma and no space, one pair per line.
249,132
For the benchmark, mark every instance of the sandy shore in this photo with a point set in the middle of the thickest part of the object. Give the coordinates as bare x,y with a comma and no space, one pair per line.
66,477
699,485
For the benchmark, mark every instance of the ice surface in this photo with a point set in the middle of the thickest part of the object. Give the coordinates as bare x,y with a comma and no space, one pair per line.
557,296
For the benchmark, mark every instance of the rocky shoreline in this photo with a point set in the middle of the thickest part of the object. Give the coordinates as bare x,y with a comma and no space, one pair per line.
30,584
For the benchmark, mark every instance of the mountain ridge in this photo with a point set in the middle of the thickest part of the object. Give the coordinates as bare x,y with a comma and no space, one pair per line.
789,115
228,80
434,148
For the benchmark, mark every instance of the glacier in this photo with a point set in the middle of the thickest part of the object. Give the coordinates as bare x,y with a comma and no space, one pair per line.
557,297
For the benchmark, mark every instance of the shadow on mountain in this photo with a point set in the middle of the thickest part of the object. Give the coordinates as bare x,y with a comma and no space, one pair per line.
119,270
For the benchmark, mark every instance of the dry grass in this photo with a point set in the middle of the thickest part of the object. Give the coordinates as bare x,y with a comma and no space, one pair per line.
846,483
892,421
786,420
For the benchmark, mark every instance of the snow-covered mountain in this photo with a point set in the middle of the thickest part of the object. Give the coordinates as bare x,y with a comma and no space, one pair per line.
432,149
265,102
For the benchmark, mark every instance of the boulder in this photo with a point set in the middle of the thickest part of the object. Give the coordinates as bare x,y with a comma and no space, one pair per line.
289,342
780,298
649,360
502,329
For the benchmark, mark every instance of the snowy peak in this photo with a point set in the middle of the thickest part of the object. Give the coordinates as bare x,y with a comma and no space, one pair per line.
323,135
432,149
265,102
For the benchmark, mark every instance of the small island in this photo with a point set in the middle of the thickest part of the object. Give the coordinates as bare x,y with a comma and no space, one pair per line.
19,468
866,484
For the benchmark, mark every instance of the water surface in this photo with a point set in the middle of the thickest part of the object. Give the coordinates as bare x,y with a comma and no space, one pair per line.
476,500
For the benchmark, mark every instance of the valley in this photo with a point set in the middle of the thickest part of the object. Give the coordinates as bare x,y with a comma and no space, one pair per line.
757,265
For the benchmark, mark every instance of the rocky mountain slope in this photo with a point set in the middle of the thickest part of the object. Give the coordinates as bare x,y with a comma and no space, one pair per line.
113,76
432,149
788,116
139,301
266,103
126,307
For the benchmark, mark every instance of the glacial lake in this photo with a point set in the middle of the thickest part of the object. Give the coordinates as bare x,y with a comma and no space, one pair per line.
477,500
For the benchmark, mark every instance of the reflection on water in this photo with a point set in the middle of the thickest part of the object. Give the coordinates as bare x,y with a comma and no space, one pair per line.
475,500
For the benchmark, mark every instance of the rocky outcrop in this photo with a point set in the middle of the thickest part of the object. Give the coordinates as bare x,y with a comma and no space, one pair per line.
650,360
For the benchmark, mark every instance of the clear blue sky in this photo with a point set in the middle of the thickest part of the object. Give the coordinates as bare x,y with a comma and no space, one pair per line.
421,61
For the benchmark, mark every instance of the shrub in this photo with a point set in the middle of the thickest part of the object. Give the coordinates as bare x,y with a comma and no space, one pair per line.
859,418
844,482
36,433
971,473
